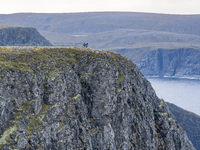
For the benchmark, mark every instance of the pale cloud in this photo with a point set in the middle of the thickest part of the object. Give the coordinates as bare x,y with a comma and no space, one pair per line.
56,6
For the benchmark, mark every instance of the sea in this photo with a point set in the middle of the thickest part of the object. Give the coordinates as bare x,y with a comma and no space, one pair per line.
184,93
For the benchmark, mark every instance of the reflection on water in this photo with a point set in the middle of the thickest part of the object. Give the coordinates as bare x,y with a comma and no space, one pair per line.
184,93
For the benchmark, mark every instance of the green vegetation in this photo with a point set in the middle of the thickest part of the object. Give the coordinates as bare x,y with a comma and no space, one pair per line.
6,135
13,148
25,106
120,78
8,64
76,97
52,74
34,121
48,60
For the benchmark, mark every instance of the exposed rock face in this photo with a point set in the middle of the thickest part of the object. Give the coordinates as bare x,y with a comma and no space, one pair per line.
189,121
81,99
21,36
177,62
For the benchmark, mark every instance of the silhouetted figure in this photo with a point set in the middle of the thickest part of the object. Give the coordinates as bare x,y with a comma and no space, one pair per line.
86,45
83,44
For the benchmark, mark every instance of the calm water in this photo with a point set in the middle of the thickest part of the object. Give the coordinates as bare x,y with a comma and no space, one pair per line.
184,93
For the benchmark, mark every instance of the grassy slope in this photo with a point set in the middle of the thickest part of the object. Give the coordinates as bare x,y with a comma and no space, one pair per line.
29,59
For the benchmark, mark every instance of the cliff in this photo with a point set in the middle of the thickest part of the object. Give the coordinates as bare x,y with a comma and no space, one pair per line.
14,35
172,62
183,62
81,99
189,121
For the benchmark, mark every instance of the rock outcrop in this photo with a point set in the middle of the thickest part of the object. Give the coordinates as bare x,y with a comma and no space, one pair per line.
189,121
81,99
183,62
14,35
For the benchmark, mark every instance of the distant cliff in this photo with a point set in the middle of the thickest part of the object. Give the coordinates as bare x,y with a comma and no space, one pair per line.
184,62
13,35
177,62
81,99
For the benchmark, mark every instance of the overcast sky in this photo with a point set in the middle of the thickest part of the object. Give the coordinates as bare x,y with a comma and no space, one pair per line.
60,6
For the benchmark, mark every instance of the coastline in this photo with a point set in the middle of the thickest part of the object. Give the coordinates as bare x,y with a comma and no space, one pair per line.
183,92
174,77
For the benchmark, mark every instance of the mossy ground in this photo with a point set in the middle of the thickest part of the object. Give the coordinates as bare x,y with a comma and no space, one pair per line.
120,79
51,60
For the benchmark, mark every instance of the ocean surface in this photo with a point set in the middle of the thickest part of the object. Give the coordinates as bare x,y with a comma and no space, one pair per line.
184,93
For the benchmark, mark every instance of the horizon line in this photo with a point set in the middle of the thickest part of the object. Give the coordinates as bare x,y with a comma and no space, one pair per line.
99,12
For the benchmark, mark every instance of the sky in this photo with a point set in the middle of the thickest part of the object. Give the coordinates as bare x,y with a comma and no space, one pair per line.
65,6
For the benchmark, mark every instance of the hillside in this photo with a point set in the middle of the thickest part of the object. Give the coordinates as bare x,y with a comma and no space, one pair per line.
189,121
69,98
134,35
15,35
66,26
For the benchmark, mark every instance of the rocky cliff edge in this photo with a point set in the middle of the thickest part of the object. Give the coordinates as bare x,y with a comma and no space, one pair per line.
81,99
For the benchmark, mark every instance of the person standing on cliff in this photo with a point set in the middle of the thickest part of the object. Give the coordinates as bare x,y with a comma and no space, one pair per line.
86,45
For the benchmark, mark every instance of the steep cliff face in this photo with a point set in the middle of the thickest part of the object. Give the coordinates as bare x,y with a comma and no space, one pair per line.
189,121
171,62
13,35
81,99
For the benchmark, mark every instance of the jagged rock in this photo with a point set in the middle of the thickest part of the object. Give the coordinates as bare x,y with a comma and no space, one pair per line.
14,35
81,99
